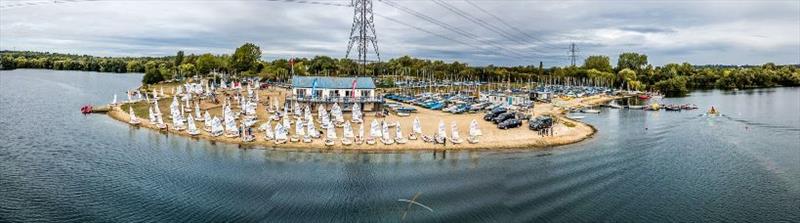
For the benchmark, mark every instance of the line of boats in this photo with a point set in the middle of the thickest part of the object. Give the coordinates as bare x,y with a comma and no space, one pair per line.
653,107
455,103
184,114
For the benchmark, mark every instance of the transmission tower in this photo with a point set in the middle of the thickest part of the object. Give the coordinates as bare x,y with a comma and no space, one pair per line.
363,32
573,53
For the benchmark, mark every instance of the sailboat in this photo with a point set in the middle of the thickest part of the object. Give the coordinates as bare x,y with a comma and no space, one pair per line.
160,122
177,122
374,132
206,116
247,134
311,129
399,138
455,138
441,135
338,117
134,120
197,113
357,116
360,137
330,138
151,115
216,127
207,125
231,130
287,124
474,132
348,135
299,131
321,112
297,110
386,138
191,128
326,120
114,102
268,134
416,129
280,134
187,107
273,107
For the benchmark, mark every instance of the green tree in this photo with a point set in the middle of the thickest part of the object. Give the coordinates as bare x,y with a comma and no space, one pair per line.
206,63
245,57
187,70
597,62
152,75
675,86
179,58
633,61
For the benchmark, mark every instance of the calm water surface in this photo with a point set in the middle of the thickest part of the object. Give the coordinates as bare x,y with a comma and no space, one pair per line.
57,165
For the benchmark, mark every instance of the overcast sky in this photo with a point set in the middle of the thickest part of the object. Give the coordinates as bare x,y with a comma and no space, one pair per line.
489,32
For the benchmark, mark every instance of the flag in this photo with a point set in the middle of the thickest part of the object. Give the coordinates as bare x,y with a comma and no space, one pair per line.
314,88
353,92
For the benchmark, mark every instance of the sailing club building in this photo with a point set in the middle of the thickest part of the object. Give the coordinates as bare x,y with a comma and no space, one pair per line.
346,91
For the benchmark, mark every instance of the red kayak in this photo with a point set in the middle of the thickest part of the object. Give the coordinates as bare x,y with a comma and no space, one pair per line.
644,97
86,109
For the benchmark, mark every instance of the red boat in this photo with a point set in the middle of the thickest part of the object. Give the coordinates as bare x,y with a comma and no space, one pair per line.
644,96
86,109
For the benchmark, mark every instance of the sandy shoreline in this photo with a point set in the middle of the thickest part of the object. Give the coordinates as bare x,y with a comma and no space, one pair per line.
492,139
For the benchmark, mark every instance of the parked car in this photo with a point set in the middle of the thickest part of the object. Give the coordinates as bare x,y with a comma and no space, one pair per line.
540,123
493,114
510,123
505,116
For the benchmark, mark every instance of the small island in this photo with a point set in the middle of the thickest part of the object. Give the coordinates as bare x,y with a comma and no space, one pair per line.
272,103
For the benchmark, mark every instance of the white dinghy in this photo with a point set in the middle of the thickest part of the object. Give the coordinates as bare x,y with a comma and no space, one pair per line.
386,138
267,128
357,115
151,115
191,128
299,131
280,134
197,113
399,138
160,122
455,138
360,137
247,134
231,129
441,135
330,137
474,132
374,132
416,129
347,136
311,129
134,120
216,127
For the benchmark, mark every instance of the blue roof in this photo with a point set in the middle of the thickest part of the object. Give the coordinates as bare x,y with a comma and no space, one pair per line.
333,82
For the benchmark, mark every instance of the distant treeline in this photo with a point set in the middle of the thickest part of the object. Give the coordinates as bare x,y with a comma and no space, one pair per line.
631,71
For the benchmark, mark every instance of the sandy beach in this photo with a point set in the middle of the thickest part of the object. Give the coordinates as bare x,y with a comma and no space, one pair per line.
566,131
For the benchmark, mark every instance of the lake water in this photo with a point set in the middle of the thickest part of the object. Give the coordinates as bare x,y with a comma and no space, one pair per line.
57,165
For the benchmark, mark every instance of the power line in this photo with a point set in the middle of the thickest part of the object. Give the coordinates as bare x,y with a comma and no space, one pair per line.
510,26
362,34
449,27
572,53
25,4
489,26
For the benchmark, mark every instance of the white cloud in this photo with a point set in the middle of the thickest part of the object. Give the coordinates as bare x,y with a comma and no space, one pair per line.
740,32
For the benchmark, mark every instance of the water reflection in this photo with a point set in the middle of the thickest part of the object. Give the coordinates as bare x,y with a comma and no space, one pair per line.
684,167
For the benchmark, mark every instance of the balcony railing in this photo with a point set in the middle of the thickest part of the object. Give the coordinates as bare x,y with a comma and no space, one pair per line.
335,99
